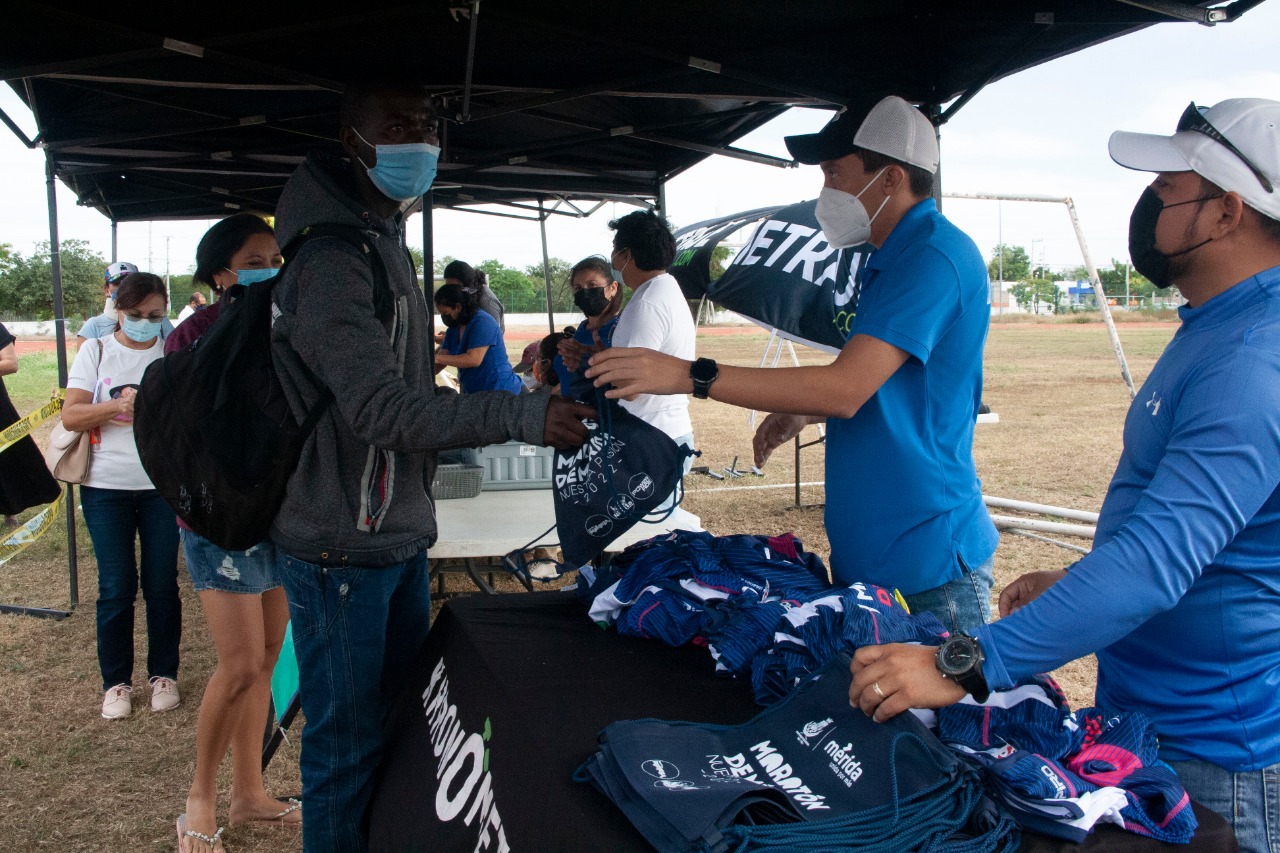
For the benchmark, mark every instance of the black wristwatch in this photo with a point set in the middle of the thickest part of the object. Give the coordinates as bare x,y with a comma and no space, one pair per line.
960,659
703,372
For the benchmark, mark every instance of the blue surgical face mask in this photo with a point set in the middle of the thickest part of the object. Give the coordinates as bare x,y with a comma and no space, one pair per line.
403,172
140,330
254,276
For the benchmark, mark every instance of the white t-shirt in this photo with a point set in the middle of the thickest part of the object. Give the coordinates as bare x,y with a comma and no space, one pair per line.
186,312
113,461
658,317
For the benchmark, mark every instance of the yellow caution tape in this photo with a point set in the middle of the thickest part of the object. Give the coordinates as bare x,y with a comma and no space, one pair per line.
20,539
13,433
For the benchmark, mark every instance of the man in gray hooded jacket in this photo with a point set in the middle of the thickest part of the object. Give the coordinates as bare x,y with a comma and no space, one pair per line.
356,523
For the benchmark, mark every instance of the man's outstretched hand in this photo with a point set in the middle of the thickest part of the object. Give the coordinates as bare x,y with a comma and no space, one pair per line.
564,429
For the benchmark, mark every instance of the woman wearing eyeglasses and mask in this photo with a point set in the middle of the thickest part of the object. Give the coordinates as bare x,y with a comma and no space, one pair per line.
240,591
598,295
120,503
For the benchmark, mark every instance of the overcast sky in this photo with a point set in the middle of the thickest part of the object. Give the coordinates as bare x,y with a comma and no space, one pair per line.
1042,132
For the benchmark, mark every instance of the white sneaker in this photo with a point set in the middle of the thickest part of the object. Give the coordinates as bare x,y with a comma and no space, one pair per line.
164,694
115,703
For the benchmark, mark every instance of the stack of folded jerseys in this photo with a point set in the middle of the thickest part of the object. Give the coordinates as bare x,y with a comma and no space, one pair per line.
764,610
809,773
761,605
1062,772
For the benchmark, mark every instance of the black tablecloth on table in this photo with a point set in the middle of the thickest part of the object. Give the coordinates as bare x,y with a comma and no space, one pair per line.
524,683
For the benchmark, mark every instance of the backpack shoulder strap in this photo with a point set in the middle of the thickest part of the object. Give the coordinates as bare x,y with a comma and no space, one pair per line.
383,297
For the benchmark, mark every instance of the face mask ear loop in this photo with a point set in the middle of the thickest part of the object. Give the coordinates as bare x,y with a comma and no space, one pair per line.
867,187
360,159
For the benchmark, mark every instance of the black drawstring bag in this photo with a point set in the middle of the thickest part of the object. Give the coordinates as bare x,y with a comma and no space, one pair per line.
809,773
625,470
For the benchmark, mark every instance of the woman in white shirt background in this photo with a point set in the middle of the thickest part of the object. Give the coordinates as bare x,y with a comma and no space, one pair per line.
120,504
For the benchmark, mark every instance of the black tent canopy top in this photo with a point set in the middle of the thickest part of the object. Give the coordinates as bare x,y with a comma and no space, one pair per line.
158,110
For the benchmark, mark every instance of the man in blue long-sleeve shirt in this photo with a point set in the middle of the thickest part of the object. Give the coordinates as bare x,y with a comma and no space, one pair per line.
1180,597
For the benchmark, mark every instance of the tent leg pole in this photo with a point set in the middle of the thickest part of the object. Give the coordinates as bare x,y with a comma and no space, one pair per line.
429,275
60,330
546,267
115,242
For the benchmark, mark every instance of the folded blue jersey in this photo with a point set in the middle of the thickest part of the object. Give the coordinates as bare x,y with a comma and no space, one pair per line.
1043,761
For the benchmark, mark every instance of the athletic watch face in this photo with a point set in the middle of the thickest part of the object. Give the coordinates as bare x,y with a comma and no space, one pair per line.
957,655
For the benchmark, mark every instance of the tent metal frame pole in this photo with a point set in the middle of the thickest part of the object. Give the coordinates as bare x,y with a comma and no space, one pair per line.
429,275
115,241
60,329
546,267
471,61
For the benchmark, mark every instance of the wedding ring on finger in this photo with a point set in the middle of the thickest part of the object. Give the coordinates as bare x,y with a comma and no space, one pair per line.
875,685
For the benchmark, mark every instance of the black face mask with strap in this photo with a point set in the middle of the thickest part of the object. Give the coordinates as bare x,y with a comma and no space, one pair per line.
1147,259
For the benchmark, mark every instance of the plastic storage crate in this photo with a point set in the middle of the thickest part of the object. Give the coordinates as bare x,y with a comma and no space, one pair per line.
516,466
456,481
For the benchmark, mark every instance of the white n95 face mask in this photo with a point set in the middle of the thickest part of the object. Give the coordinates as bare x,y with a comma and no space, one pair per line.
844,218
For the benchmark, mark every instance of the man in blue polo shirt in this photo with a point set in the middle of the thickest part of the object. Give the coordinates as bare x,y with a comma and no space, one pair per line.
904,505
1181,592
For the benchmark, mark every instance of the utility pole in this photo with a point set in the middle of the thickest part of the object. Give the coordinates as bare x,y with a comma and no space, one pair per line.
168,293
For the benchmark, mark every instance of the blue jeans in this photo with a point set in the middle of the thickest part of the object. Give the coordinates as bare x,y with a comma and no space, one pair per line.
356,630
1249,801
962,604
116,518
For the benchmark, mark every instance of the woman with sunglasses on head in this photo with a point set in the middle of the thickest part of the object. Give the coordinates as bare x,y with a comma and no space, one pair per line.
240,592
120,503
598,295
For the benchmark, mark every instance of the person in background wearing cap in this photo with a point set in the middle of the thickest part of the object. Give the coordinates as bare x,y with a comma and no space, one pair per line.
1180,594
525,367
106,322
904,505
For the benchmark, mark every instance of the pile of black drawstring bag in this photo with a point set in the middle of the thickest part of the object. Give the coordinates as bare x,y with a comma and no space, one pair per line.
809,773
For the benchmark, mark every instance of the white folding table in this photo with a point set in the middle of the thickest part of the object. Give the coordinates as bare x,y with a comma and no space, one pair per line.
495,523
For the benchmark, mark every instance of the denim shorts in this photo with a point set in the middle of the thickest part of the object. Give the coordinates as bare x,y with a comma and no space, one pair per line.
251,572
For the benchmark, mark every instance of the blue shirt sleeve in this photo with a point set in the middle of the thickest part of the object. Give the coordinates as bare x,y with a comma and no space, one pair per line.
1218,468
451,344
912,302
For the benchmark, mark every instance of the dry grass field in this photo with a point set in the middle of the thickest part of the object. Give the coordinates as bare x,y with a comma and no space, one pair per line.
72,781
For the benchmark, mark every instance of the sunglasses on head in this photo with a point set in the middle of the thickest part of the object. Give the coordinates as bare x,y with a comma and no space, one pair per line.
1193,120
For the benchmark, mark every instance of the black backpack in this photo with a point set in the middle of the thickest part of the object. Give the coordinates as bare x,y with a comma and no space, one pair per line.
213,428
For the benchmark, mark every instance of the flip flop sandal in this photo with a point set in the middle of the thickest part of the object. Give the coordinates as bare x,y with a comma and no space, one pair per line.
294,805
214,841
279,819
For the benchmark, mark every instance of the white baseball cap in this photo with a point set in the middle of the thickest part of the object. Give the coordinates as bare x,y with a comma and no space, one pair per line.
118,270
1235,144
896,129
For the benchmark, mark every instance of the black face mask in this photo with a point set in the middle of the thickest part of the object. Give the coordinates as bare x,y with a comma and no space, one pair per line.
1147,259
591,301
451,322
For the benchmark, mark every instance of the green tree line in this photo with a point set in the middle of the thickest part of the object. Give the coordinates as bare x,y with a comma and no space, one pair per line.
26,283
1039,285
